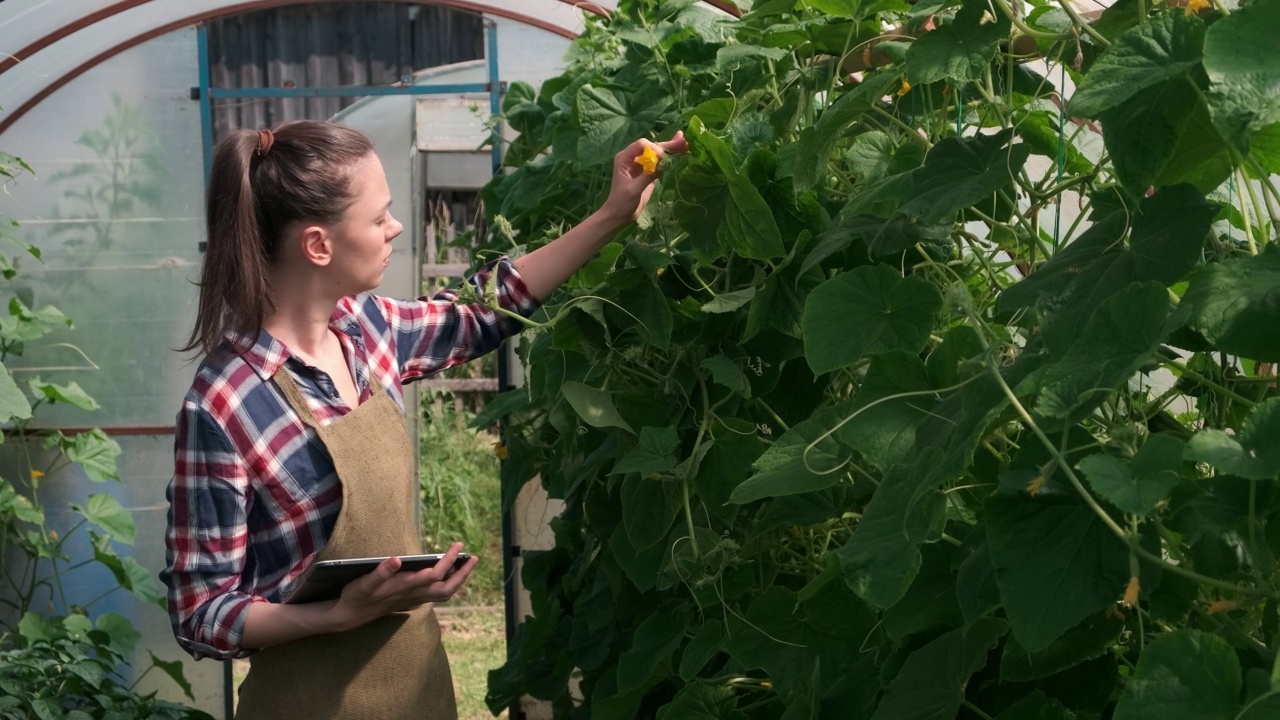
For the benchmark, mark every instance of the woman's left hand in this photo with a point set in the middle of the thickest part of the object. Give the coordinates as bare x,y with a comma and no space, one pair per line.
631,185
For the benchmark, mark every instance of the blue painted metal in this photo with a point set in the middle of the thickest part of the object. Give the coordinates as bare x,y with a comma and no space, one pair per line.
346,91
206,102
495,93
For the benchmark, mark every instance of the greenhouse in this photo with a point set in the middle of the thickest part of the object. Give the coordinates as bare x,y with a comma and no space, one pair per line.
862,359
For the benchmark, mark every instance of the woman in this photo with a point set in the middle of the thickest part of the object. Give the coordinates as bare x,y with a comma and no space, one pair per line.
291,445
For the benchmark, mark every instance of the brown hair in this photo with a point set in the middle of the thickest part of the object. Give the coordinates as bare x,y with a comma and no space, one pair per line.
262,182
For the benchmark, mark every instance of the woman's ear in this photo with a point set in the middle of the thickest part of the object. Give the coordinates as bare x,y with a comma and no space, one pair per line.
316,245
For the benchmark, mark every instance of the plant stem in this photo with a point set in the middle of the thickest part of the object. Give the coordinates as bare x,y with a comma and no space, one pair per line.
1026,29
1080,23
976,710
914,133
1192,374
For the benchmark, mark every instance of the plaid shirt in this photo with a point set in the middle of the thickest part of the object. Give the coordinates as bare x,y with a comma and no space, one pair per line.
254,495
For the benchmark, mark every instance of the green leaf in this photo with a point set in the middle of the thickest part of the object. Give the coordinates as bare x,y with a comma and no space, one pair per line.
1086,641
1232,301
884,429
654,641
727,373
107,513
128,573
701,649
77,627
1244,72
797,462
1139,487
1037,706
1184,674
730,301
959,172
70,393
649,507
730,57
931,683
1165,47
1056,563
703,700
1166,243
1122,334
961,50
13,404
36,628
748,228
814,147
1252,454
1164,135
593,405
500,406
123,636
96,453
612,118
889,311
655,452
173,668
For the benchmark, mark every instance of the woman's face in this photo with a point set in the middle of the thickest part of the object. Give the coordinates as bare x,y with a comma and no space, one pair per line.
362,239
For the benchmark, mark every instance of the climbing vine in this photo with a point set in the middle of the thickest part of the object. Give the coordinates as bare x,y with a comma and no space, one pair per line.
937,381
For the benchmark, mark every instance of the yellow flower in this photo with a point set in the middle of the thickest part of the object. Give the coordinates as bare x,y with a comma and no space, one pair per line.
1131,593
648,160
1036,485
53,534
36,474
906,88
1195,6
766,684
1221,606
661,270
501,451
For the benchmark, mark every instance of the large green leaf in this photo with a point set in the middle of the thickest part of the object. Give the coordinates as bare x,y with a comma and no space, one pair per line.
1164,135
173,668
1244,72
870,309
699,651
1183,674
960,50
748,227
799,461
128,573
1165,47
883,556
654,642
107,513
13,403
1139,486
1166,242
1234,303
815,143
1056,563
649,507
97,453
71,393
931,683
1083,642
1253,453
654,452
702,700
1037,706
959,172
884,429
593,405
612,118
1124,331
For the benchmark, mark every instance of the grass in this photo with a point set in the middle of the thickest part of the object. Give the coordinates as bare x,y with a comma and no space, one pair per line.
475,638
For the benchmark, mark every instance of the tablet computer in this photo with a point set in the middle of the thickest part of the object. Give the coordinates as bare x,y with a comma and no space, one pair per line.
324,580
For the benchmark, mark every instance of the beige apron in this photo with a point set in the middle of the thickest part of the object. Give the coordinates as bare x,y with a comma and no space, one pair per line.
393,668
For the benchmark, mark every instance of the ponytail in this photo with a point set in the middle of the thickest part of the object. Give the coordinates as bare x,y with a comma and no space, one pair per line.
260,184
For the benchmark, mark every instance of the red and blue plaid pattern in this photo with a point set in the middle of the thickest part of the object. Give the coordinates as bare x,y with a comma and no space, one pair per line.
254,495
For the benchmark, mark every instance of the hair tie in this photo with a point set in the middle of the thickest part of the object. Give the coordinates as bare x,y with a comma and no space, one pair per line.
266,139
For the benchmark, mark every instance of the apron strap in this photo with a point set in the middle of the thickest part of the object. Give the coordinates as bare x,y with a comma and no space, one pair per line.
293,394
289,387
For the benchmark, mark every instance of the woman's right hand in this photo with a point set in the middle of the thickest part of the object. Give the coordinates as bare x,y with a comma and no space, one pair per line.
387,590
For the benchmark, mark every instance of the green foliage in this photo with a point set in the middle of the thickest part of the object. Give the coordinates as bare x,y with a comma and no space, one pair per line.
852,423
62,665
458,473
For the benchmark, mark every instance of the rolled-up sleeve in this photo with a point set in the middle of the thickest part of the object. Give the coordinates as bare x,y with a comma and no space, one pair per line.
431,334
207,538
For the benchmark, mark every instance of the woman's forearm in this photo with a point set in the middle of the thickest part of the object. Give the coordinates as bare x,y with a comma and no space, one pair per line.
546,268
267,624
